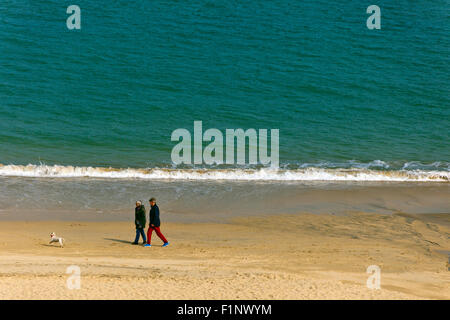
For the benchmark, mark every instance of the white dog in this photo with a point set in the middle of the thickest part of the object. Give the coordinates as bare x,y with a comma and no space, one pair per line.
54,238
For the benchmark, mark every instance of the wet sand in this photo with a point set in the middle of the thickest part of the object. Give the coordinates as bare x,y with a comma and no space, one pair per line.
300,256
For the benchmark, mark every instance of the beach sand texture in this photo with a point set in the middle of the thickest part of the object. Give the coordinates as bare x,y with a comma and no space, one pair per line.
301,256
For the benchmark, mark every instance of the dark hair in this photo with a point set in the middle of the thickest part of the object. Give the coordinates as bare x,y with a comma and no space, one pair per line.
152,200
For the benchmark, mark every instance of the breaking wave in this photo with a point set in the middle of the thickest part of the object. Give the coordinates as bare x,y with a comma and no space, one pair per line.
263,174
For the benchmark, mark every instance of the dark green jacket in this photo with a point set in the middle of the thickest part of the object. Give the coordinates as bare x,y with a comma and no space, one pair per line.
139,217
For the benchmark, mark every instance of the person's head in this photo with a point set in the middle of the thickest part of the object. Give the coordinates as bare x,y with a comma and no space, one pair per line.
152,201
138,203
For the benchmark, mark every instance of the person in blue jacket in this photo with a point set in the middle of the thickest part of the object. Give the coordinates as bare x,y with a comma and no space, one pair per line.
155,224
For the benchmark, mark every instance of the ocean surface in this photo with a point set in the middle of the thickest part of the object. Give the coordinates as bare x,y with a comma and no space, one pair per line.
83,109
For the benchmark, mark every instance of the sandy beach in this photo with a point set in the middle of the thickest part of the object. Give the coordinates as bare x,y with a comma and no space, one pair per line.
301,256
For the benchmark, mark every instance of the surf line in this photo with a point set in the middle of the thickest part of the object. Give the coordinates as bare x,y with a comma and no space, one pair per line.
230,153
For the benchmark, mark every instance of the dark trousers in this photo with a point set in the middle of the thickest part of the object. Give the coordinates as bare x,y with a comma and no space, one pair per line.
139,232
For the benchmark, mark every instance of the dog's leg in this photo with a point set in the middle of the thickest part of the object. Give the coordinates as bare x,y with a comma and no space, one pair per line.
61,240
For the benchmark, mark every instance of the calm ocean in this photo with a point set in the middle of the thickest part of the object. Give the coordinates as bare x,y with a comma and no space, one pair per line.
350,103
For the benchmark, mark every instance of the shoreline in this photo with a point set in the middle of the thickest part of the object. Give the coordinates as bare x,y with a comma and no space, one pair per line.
201,201
303,256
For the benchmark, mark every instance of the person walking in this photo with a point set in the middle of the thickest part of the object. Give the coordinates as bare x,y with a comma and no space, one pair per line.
155,224
139,221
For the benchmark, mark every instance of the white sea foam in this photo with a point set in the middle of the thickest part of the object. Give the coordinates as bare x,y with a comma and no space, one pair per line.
265,174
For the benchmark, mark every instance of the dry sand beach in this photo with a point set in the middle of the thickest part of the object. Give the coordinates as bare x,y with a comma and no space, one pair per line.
302,256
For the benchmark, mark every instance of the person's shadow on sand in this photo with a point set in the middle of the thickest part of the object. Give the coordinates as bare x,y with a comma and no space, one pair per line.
125,241
118,240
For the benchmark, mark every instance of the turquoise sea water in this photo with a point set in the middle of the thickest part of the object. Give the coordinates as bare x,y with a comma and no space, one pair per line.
363,114
111,93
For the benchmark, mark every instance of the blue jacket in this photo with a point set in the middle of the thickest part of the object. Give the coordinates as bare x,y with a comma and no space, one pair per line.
154,216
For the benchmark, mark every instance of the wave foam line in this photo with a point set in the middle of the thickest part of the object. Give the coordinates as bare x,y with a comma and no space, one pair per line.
308,174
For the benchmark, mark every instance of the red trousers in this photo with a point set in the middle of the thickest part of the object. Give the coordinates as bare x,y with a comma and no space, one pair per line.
158,233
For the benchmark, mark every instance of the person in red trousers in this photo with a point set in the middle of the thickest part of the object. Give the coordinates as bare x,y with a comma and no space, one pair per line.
155,224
